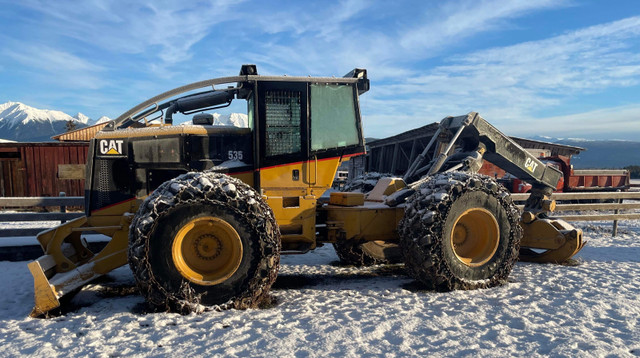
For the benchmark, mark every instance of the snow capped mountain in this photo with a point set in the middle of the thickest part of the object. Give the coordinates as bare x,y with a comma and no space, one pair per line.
233,119
82,118
22,123
102,120
228,120
15,113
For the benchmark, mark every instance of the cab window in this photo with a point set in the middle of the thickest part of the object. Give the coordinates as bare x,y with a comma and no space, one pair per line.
333,117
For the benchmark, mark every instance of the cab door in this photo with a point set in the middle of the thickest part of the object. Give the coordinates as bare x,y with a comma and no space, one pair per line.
286,171
284,144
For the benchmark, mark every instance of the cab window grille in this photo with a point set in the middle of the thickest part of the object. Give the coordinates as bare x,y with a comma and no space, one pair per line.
283,116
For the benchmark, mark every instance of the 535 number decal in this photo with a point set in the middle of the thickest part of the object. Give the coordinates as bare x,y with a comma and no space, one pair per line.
235,155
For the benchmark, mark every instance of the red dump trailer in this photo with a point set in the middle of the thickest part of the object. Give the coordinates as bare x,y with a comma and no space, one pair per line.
576,180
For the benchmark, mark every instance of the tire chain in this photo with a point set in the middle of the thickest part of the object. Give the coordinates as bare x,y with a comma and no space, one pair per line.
351,253
431,204
210,188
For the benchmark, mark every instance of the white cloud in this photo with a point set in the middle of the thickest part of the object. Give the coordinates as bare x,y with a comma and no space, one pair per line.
456,21
515,83
329,38
61,67
51,59
323,20
621,122
169,28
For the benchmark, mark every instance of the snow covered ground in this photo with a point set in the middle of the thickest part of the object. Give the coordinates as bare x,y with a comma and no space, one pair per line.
323,309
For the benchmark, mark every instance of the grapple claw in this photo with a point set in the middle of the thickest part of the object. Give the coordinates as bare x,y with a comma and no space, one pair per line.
549,240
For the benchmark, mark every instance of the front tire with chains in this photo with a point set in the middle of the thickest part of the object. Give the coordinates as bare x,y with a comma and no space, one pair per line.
460,231
204,241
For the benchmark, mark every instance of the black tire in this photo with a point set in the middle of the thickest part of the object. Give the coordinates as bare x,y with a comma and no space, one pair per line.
473,204
368,253
194,200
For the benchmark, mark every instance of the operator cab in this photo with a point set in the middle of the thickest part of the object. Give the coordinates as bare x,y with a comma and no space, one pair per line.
285,136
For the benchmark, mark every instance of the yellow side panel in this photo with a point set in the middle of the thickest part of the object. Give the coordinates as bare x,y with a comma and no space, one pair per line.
246,177
296,217
291,191
165,130
369,222
346,199
313,178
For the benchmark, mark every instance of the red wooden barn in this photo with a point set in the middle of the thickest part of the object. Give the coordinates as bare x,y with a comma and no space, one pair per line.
31,169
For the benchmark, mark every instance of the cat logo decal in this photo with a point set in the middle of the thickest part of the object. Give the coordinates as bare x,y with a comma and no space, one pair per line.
530,164
111,147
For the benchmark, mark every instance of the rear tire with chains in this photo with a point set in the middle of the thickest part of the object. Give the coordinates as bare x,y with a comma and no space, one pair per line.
460,231
202,241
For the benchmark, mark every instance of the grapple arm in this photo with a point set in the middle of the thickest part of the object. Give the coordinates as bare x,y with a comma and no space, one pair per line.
545,239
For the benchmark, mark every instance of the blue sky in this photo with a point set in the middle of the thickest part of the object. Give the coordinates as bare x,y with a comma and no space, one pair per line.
533,67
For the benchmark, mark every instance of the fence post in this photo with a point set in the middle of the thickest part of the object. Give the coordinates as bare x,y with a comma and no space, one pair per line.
63,208
615,222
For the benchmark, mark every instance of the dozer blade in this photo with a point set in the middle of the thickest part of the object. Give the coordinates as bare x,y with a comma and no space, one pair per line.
549,241
68,264
48,292
46,297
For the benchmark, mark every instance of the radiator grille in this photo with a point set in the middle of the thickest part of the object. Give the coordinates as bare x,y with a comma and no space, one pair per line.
103,182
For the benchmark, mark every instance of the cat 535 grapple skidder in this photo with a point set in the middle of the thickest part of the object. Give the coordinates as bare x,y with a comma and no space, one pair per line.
202,213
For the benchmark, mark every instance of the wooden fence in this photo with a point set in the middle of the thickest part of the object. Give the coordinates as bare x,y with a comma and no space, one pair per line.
59,204
564,201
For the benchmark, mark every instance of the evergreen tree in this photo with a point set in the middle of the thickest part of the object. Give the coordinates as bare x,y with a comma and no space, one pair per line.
71,125
634,170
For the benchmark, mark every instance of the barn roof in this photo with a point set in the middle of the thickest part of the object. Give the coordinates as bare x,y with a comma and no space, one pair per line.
80,135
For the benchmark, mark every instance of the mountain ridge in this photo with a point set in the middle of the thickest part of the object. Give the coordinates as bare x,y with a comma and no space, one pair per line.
23,123
600,153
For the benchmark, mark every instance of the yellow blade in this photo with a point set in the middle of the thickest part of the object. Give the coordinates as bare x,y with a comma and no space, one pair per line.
45,295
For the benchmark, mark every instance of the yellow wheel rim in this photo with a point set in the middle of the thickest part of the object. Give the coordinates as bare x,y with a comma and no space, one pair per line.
475,237
207,250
